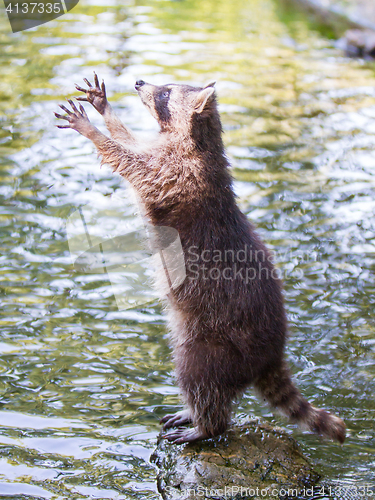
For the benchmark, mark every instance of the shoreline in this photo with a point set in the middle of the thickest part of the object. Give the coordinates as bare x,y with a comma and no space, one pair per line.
338,16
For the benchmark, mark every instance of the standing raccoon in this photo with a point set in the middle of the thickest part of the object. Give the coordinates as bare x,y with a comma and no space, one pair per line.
227,318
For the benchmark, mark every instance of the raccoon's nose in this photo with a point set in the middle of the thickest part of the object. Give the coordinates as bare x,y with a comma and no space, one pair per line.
139,84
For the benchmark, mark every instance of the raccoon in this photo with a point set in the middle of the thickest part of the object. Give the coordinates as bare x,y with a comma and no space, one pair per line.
227,319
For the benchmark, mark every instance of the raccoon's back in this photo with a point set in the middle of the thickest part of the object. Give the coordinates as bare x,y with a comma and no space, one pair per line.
231,283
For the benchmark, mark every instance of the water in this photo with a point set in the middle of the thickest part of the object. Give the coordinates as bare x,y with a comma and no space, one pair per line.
82,383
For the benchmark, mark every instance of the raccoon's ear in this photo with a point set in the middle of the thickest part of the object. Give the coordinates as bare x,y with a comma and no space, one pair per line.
202,98
211,84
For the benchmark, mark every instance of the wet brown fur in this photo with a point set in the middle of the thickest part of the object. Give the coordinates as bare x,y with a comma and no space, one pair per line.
227,334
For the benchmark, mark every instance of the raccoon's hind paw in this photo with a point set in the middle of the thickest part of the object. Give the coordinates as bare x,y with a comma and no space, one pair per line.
94,95
176,420
180,436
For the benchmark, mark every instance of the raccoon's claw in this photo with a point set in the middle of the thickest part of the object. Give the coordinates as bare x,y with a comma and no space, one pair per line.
78,119
176,420
180,436
94,95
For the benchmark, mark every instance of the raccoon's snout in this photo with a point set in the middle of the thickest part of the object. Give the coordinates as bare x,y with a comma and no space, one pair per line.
139,84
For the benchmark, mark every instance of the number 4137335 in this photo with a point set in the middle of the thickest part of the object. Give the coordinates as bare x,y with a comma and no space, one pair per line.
34,8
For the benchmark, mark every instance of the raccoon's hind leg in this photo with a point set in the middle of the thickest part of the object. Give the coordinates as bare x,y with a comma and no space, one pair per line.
177,419
211,408
207,390
278,389
182,435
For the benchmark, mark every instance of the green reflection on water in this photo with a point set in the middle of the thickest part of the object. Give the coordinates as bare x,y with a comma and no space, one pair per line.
299,127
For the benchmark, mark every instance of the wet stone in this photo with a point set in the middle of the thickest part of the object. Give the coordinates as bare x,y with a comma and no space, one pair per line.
359,43
353,21
251,455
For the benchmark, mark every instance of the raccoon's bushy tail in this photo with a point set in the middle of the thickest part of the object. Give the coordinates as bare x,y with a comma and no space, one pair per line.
278,389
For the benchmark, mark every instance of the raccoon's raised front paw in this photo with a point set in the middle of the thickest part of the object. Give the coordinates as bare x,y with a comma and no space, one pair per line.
180,436
179,418
78,119
94,95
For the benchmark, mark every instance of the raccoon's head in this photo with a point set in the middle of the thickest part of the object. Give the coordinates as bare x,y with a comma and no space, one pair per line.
178,107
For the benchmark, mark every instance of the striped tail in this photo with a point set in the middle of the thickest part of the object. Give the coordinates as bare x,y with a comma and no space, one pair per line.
277,388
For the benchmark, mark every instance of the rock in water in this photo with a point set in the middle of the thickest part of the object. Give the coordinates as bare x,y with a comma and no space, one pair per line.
251,455
359,43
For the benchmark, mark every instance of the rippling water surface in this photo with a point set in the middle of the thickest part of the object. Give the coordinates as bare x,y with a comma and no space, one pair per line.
82,383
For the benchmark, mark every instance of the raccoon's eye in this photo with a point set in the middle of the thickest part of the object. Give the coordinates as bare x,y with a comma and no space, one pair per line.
165,94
